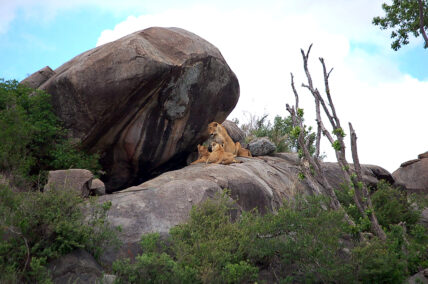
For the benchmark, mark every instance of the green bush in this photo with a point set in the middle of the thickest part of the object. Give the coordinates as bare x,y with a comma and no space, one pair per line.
300,242
37,227
32,139
392,206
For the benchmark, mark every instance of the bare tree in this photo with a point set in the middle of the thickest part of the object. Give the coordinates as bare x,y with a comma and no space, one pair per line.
311,165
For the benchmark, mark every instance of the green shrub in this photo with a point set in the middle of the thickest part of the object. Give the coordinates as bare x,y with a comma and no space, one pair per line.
300,241
392,206
37,227
32,139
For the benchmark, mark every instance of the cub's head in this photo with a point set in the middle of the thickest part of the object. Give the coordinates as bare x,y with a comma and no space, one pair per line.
202,150
216,146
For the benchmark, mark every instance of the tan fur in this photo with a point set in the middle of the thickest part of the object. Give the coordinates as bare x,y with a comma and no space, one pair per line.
203,155
242,152
219,134
219,156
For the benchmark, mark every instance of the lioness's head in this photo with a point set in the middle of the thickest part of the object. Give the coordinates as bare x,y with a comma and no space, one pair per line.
212,128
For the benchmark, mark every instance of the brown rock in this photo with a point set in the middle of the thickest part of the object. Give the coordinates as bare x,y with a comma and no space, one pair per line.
78,180
408,163
98,187
423,155
144,101
165,201
414,176
234,131
38,78
76,267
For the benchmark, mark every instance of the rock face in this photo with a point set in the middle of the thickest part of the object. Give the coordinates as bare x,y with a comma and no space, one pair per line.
261,146
165,201
234,131
413,175
143,101
38,78
76,267
78,180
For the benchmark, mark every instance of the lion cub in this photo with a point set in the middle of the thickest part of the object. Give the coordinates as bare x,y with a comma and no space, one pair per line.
203,155
219,134
242,152
219,156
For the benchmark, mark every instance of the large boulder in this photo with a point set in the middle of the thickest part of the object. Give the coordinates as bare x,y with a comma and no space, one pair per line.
165,201
413,175
143,101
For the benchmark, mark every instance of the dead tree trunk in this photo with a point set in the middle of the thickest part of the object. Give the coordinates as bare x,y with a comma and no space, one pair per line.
316,177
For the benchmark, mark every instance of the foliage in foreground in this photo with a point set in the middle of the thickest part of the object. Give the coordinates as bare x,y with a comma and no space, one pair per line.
37,227
32,139
300,243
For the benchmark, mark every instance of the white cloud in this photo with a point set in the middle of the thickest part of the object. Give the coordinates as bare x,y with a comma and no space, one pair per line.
262,46
261,43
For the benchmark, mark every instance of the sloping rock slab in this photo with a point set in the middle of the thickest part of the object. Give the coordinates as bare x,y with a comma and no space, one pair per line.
414,176
143,101
165,201
38,78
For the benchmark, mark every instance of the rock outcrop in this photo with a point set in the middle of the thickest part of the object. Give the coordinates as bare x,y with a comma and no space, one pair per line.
413,175
143,101
234,131
78,180
76,267
165,201
38,78
261,146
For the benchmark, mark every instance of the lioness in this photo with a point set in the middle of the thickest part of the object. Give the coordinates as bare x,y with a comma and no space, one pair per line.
219,134
242,152
219,156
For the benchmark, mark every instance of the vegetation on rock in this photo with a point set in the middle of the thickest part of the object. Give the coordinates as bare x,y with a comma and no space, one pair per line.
301,242
280,132
36,227
32,139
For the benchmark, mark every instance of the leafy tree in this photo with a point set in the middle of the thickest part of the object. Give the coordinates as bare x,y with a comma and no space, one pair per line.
405,17
32,139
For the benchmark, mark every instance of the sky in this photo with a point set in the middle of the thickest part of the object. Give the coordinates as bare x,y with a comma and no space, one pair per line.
381,91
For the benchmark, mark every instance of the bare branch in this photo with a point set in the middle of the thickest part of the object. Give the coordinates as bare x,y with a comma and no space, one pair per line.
421,22
327,91
296,96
